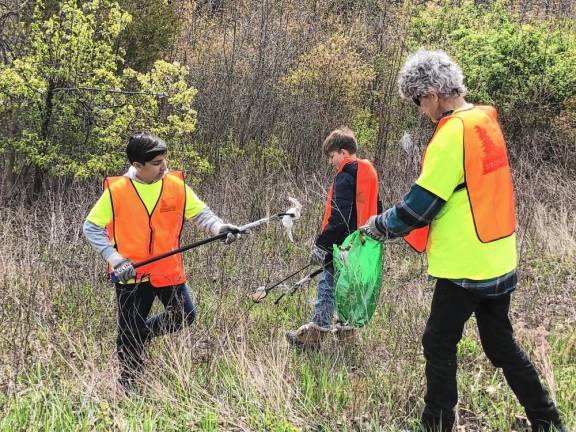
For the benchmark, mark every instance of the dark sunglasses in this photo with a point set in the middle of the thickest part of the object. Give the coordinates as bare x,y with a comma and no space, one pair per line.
416,100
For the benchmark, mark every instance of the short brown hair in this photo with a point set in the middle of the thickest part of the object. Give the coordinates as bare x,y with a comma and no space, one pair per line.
340,139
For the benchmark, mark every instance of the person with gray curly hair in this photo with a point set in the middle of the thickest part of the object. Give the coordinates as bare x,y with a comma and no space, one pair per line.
461,212
427,72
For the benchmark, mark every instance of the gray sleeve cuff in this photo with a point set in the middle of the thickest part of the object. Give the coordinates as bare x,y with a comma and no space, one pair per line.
98,239
206,220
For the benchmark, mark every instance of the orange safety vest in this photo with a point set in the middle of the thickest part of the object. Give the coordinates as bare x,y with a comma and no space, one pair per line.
366,192
138,235
487,175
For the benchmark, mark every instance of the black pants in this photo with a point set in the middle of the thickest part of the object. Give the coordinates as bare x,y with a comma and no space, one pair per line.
135,329
451,307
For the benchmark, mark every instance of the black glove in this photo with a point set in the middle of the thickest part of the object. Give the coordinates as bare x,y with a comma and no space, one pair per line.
232,230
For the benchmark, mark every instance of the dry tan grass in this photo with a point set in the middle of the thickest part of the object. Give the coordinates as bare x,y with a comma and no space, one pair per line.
60,321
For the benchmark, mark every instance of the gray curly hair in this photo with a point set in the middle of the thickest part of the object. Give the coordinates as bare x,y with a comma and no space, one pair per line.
426,71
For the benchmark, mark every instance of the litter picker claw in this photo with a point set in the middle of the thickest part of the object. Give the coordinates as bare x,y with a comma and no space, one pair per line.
287,217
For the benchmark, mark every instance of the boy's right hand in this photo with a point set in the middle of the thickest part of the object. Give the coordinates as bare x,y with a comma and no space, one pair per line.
122,267
125,271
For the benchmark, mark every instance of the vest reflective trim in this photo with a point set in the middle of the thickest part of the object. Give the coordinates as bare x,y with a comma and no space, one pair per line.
139,235
366,192
488,179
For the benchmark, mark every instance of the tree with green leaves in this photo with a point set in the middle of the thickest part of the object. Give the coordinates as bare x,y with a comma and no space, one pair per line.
67,102
526,67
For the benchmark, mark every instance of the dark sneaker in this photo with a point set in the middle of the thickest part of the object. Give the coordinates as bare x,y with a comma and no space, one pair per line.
548,421
549,427
308,335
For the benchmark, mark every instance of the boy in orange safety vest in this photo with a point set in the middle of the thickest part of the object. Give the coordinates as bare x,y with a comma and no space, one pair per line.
140,215
352,199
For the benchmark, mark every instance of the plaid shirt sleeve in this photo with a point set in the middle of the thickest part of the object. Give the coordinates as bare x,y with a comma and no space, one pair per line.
494,287
417,209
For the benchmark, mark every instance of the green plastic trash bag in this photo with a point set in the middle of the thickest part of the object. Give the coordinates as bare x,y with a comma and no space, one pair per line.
358,276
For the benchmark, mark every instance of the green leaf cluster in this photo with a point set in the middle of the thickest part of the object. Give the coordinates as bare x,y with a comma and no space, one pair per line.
333,70
526,67
151,33
68,102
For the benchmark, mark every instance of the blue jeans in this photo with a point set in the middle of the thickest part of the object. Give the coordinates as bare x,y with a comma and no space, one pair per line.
325,304
135,329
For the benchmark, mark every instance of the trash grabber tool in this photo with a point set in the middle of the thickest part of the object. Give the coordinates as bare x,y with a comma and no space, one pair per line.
182,249
293,213
262,291
298,284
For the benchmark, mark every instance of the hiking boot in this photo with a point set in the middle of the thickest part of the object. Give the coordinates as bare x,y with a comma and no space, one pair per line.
308,335
345,333
546,421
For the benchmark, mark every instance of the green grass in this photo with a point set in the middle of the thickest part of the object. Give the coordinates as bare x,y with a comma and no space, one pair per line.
232,370
254,382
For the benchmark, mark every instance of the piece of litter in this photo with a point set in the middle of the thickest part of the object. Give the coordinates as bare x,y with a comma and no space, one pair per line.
259,294
293,213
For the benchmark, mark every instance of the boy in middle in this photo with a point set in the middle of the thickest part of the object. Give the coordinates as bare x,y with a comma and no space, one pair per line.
352,199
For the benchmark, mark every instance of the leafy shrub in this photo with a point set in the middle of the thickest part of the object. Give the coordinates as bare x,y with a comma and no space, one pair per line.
526,69
70,104
333,72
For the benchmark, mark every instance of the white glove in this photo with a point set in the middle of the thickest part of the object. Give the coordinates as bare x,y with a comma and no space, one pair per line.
371,230
318,255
